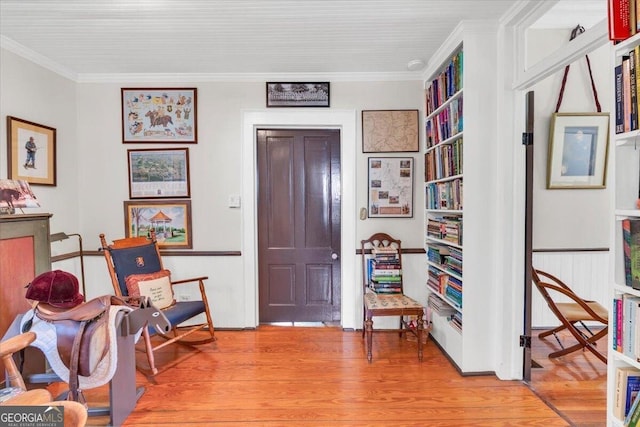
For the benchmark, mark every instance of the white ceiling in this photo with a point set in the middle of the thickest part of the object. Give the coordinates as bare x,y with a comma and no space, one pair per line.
223,37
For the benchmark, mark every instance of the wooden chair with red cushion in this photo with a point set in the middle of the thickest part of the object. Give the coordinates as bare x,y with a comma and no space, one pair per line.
135,267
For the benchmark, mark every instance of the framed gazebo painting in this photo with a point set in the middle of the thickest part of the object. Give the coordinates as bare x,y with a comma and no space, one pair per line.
171,220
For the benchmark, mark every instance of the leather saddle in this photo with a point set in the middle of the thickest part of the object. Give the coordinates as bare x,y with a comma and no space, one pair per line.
82,334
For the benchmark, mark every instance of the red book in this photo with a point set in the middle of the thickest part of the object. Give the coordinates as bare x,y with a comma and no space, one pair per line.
619,13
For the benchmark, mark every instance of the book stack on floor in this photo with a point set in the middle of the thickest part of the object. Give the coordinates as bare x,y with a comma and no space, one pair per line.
385,274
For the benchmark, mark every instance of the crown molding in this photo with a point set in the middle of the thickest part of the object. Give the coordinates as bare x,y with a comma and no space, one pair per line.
36,58
245,77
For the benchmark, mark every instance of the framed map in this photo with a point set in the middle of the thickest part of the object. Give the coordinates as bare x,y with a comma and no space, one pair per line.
389,131
390,184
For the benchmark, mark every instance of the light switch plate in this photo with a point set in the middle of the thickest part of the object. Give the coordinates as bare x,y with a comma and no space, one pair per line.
234,201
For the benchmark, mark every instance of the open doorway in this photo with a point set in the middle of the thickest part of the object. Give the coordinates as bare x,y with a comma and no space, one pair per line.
569,228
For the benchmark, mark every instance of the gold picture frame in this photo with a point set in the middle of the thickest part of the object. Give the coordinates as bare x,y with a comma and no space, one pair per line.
31,152
171,220
578,146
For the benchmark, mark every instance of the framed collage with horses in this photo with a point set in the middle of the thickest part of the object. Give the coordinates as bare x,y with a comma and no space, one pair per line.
159,115
31,152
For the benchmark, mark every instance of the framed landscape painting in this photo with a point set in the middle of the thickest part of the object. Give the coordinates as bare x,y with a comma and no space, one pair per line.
171,220
159,115
158,173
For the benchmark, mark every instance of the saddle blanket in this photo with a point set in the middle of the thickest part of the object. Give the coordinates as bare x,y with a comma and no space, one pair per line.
46,341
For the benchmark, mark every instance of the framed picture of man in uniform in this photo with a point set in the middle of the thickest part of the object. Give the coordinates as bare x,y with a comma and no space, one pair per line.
31,152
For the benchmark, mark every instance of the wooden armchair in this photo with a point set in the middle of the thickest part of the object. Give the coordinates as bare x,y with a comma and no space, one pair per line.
572,315
75,414
386,297
139,258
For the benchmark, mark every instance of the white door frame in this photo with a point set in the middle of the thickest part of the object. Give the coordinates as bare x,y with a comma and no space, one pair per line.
345,120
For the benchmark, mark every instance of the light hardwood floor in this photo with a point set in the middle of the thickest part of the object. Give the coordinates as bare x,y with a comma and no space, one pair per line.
285,376
574,385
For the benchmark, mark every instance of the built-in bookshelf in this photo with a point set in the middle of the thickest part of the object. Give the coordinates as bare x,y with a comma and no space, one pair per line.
458,153
623,177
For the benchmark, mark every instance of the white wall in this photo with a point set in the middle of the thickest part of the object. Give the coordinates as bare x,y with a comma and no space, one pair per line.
90,192
32,93
566,218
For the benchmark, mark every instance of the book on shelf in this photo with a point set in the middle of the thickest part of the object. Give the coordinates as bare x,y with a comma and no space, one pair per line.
630,306
633,111
619,19
439,306
632,418
626,93
631,251
627,384
437,253
619,87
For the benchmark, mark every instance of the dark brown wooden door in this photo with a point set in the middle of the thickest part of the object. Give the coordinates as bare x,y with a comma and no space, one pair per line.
299,201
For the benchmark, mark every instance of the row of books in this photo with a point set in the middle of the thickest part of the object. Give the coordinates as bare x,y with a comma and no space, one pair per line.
445,124
438,305
437,254
448,228
453,263
456,321
626,325
631,251
448,258
443,161
445,84
627,385
446,285
623,18
627,81
444,195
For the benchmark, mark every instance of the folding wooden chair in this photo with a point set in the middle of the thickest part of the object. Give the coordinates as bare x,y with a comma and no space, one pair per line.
572,315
